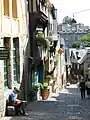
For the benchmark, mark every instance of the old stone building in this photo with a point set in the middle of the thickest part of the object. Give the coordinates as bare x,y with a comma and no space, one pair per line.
72,33
13,42
80,64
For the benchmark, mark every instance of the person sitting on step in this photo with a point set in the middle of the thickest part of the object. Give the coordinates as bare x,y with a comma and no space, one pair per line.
19,104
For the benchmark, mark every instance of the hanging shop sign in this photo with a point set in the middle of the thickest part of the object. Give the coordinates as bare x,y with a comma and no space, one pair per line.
60,51
4,53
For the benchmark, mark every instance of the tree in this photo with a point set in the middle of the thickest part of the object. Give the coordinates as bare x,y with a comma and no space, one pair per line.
76,44
85,38
67,20
84,41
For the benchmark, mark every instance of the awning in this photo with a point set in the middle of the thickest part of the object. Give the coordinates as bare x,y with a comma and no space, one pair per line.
38,18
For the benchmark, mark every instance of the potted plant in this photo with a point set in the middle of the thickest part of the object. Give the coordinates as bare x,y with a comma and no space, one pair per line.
44,91
48,78
41,40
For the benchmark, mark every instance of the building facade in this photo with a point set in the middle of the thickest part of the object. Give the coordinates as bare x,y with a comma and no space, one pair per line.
57,58
13,43
72,33
80,64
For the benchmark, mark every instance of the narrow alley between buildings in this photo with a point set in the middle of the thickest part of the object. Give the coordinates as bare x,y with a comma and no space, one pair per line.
66,106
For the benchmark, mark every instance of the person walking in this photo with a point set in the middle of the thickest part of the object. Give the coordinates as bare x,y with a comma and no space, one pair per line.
88,88
82,88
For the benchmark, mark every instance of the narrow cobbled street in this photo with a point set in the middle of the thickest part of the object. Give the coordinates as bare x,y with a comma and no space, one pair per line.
66,106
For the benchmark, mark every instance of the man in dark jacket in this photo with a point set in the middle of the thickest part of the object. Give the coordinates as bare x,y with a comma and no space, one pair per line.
82,88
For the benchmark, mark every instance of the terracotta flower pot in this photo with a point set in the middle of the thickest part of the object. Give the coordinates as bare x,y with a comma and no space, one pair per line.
45,93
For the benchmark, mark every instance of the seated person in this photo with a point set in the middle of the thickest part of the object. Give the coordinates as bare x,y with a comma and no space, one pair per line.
19,105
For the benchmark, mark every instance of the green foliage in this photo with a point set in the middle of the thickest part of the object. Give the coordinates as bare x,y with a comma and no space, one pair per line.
40,85
85,38
76,44
84,41
67,20
48,77
40,39
40,34
36,86
45,85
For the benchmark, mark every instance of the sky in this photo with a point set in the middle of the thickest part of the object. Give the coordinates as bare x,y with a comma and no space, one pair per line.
70,7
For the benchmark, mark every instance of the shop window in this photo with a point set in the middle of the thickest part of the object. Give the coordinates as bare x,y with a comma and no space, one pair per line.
6,7
14,8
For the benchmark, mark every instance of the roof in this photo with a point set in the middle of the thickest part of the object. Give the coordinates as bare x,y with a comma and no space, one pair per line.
78,55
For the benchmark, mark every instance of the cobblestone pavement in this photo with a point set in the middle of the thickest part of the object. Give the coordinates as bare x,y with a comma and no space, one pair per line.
66,106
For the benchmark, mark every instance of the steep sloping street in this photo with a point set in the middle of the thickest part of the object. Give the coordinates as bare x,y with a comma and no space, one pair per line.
44,55
66,106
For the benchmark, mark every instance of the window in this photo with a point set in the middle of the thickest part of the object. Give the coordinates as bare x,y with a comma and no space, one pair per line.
6,7
14,61
6,63
81,67
73,65
5,73
14,8
76,38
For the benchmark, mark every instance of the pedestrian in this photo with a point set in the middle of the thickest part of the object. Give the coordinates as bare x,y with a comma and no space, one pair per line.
78,86
88,88
82,88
